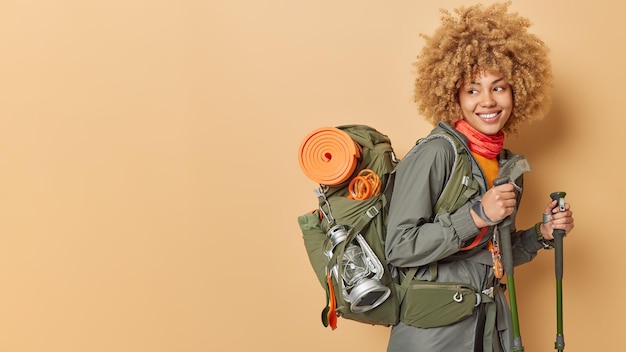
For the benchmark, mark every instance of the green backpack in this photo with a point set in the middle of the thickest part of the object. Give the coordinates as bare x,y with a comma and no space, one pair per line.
345,238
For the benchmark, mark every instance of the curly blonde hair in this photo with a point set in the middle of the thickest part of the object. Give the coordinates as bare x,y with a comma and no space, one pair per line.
478,39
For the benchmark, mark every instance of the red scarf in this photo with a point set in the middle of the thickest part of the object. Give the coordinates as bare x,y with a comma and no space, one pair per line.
480,143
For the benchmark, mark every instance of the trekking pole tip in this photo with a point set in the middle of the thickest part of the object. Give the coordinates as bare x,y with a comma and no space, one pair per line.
559,345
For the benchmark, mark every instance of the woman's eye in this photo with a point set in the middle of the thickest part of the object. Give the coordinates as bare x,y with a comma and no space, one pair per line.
498,89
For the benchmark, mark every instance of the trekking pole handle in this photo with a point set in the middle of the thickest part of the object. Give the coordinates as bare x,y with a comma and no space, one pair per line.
560,197
500,181
505,239
558,234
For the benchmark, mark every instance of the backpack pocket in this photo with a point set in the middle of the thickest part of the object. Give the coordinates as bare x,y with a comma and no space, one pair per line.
429,304
315,241
317,246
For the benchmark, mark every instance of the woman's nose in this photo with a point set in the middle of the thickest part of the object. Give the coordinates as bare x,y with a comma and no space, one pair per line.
487,99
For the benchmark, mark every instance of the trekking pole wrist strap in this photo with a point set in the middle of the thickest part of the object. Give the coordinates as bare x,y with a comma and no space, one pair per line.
480,211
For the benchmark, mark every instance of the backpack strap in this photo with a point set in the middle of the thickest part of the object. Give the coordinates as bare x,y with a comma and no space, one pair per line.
365,218
476,240
461,185
410,274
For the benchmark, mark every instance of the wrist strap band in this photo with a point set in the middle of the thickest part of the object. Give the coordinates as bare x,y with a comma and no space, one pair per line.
478,209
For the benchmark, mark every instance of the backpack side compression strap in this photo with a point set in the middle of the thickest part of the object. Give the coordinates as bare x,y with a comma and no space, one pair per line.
365,218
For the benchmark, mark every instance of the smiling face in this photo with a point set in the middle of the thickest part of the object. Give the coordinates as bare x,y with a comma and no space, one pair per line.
486,102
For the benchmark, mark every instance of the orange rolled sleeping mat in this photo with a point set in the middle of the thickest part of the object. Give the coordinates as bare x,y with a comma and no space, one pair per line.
329,156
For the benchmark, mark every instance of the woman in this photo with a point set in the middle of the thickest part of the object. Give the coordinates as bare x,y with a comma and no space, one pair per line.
478,77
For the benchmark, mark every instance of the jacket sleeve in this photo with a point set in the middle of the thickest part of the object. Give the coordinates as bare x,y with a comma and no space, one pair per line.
524,246
415,236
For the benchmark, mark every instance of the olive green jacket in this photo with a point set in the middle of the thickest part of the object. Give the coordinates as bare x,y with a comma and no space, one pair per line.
416,237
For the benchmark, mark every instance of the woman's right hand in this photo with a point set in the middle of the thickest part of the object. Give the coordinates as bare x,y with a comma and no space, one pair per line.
497,203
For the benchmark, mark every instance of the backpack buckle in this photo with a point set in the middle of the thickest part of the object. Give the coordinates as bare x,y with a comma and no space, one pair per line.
372,212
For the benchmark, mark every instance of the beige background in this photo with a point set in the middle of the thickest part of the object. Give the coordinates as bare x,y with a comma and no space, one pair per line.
149,184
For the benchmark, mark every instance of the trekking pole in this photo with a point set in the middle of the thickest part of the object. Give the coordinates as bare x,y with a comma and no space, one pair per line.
559,345
507,259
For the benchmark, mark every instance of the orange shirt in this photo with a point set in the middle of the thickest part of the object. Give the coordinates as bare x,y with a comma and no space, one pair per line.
490,168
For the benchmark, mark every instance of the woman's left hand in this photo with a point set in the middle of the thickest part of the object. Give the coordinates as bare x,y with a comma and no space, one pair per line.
559,220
